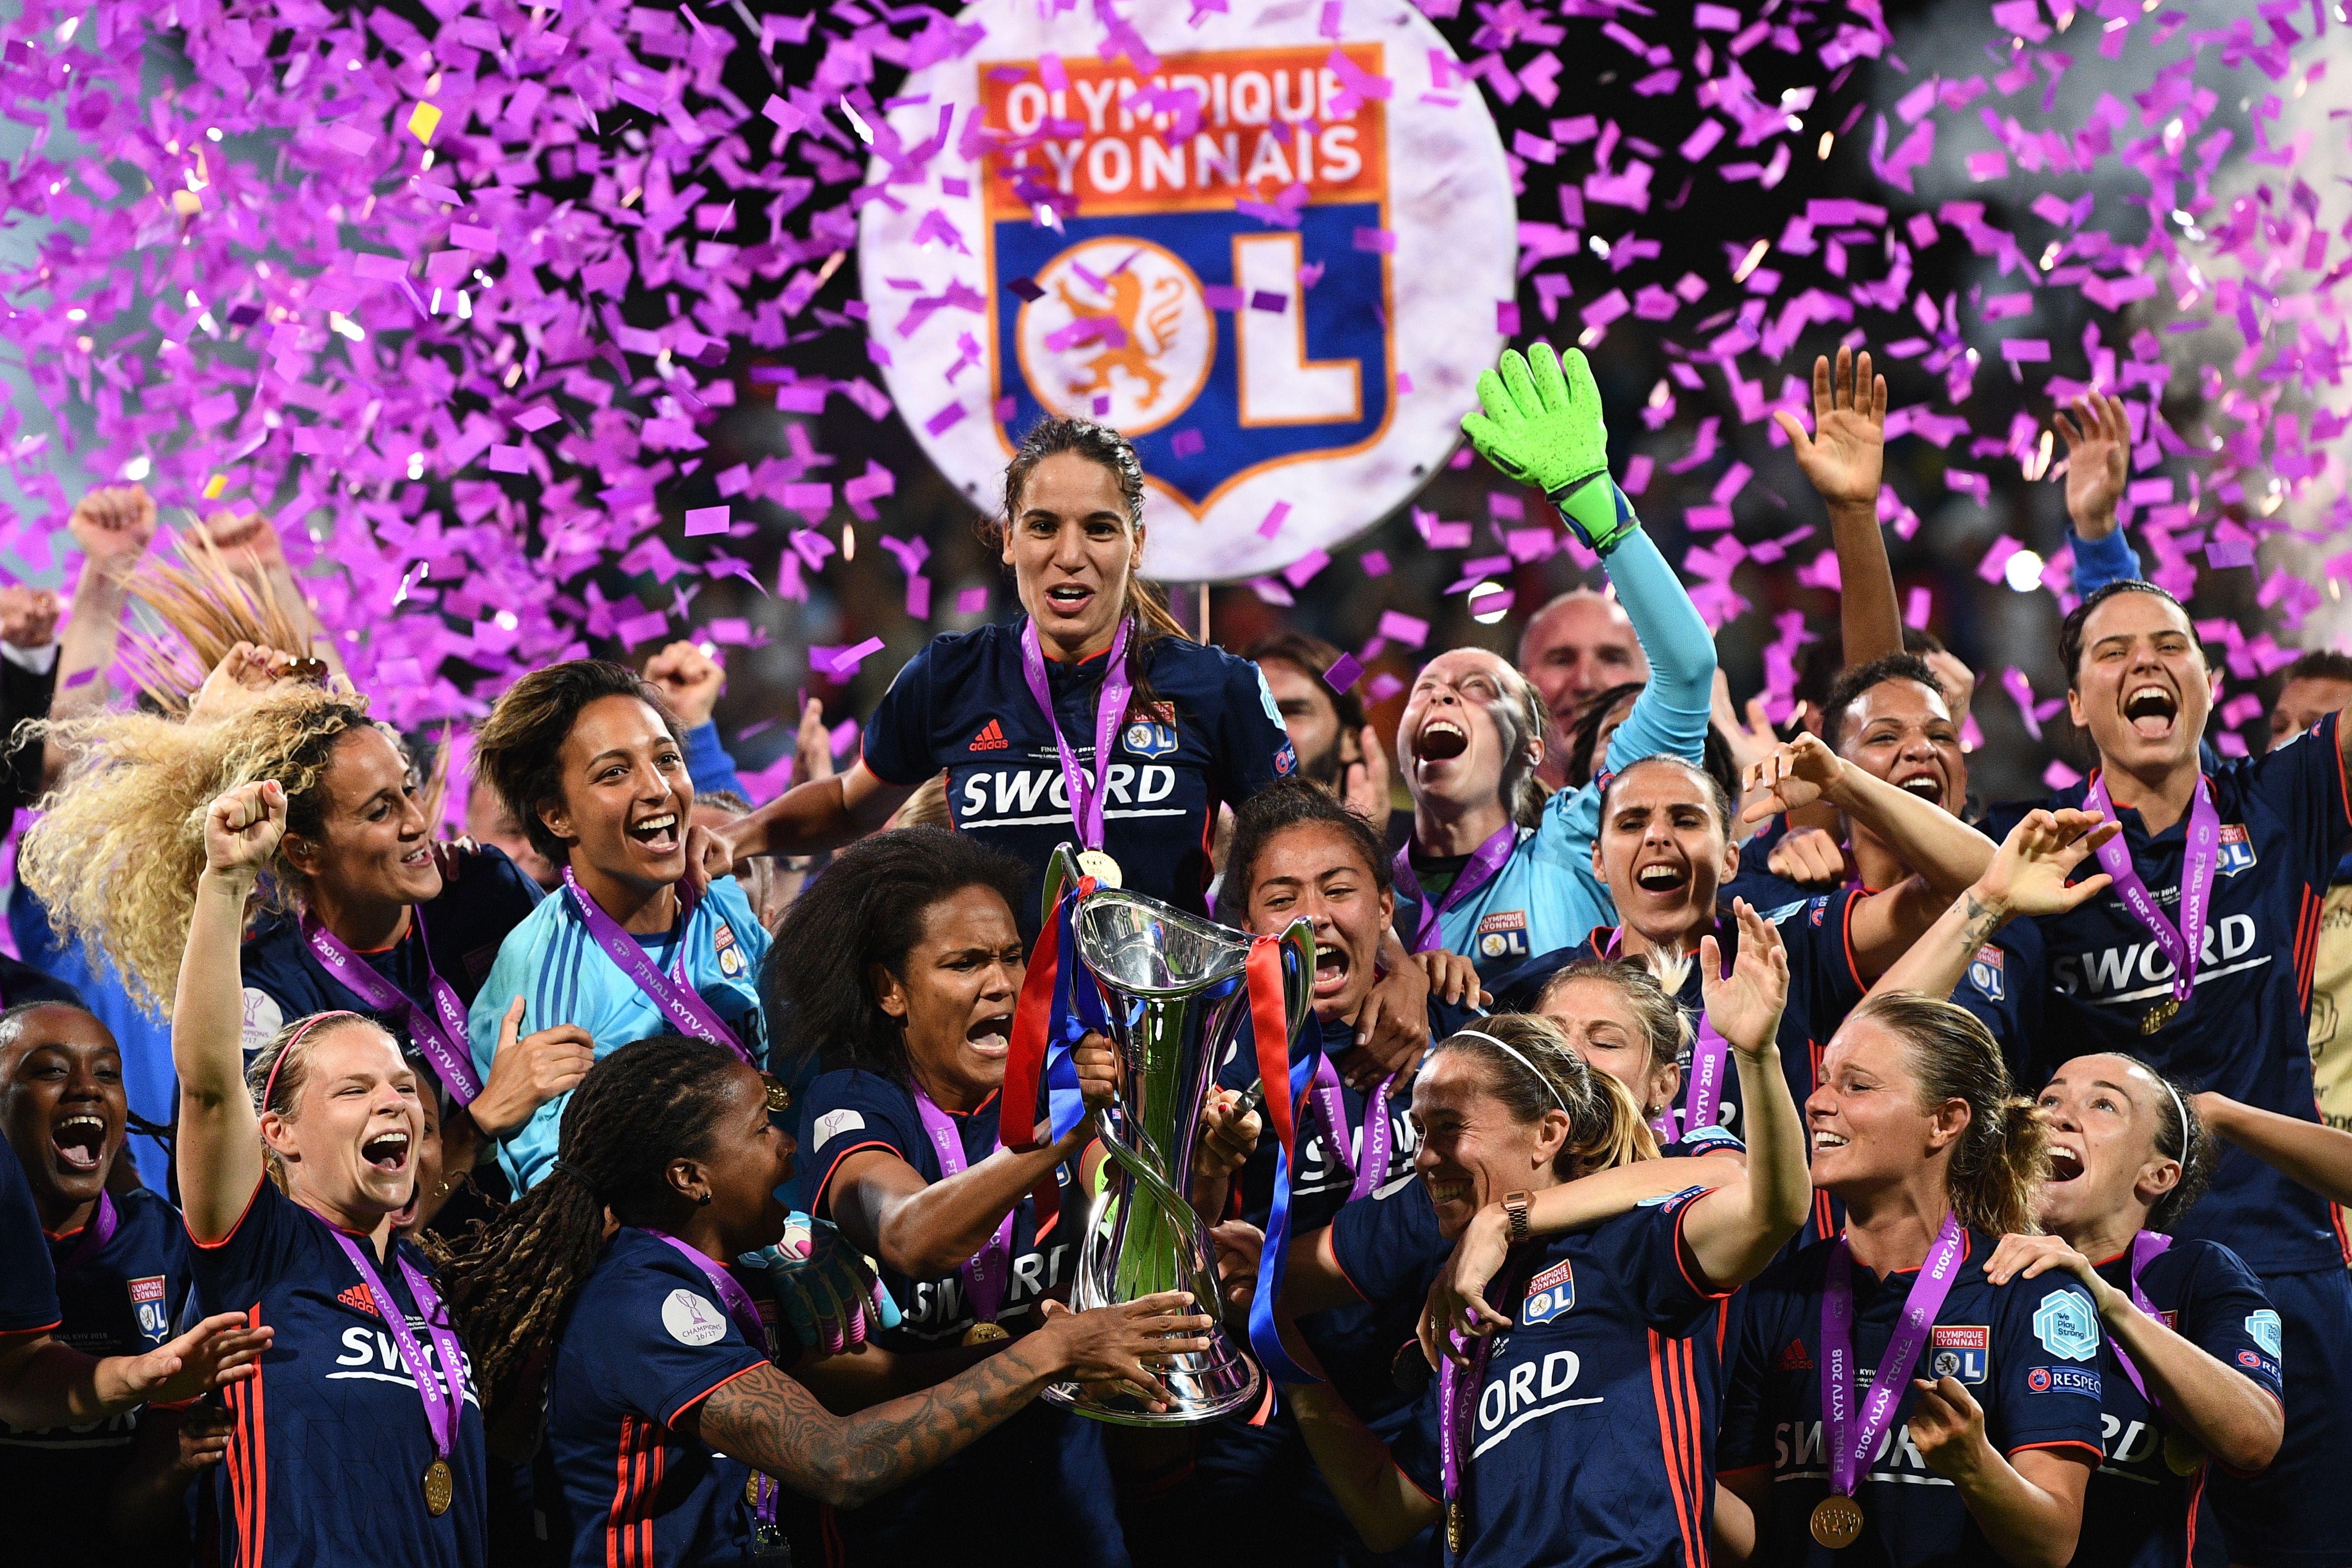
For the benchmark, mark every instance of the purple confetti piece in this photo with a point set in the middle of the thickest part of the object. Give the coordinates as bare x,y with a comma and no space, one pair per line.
1274,515
1383,687
507,460
972,601
845,661
1398,626
940,424
1343,674
1375,562
705,520
1188,442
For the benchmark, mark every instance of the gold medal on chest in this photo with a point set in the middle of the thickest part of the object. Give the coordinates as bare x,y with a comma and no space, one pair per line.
986,1334
1837,1522
1097,864
2157,1017
440,1488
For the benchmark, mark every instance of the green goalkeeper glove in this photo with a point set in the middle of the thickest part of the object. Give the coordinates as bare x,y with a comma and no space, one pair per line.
1542,425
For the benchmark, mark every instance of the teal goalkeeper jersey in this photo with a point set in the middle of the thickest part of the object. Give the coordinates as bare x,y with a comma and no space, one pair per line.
552,961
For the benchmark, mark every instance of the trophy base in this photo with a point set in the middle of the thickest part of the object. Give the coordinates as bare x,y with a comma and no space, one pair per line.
1202,1395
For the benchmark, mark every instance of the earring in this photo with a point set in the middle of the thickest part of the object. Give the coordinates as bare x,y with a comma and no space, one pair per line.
704,1201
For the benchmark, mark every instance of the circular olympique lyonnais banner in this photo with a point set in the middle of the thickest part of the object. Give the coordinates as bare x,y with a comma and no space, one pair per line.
1292,364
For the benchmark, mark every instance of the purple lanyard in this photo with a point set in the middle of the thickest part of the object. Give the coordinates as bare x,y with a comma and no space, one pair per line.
1853,1444
441,1417
985,1272
439,1038
2180,943
95,1235
1110,712
1485,861
678,1001
754,1329
1702,1094
1368,1165
1457,1403
2145,1247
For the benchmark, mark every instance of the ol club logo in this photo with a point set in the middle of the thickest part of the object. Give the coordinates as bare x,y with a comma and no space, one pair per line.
147,1299
1549,1294
1503,934
1963,1350
1150,734
1988,973
731,955
1268,256
2237,850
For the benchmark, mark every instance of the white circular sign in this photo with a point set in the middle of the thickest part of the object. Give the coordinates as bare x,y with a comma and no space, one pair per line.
1270,258
691,1320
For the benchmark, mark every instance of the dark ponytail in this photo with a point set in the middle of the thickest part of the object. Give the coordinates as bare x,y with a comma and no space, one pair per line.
508,1282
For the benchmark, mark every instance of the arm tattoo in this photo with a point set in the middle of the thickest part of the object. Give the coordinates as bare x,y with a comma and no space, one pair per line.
1978,923
771,1422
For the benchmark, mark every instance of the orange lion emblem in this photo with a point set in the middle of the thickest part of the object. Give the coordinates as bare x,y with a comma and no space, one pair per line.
1123,347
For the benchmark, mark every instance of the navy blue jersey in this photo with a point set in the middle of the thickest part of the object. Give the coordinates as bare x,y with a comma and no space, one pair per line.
463,928
124,1299
647,1340
2284,817
21,982
28,1285
1214,738
2140,1510
1050,1459
1757,882
331,1442
2029,1352
1590,1435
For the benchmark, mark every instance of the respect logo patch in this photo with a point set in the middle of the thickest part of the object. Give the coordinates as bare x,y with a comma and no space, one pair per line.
2062,1380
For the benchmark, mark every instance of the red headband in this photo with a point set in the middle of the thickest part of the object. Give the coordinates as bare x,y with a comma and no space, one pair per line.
308,1024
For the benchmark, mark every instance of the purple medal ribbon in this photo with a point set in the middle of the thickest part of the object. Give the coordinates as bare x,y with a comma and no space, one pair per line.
1852,1443
2198,860
95,1235
986,1271
1110,712
754,1329
1368,1166
1457,1402
1485,861
2145,1249
442,1418
441,1038
678,1001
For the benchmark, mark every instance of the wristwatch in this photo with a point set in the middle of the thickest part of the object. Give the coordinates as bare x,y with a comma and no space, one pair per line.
1514,1206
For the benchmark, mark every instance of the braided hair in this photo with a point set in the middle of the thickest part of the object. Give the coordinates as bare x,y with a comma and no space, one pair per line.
508,1282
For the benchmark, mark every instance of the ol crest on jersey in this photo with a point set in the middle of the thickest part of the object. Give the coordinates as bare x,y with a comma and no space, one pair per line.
1252,246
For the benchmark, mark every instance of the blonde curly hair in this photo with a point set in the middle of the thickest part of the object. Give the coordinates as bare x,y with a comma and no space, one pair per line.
116,856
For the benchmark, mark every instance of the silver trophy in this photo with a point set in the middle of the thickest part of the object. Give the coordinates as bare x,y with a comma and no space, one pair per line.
1173,986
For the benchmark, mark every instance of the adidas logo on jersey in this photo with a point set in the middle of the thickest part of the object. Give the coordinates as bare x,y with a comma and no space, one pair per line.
356,1296
1793,1359
991,738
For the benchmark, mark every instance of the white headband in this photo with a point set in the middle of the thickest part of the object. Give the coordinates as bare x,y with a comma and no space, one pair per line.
2187,1126
1514,1056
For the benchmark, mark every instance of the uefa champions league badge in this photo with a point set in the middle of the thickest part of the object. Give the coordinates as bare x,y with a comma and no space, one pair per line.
1272,258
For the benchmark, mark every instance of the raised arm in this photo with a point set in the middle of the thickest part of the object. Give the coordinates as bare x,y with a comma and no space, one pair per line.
1844,459
113,526
2316,1156
1734,1231
769,1421
2232,1417
2098,461
219,1150
2027,876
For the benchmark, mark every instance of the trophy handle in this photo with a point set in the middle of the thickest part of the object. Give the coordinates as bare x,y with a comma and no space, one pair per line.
1061,873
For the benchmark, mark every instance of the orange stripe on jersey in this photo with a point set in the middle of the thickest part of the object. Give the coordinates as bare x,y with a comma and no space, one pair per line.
1697,1438
1668,1443
613,1531
258,1512
2196,1497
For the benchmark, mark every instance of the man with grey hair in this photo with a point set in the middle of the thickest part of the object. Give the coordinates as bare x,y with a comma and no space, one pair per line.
1577,645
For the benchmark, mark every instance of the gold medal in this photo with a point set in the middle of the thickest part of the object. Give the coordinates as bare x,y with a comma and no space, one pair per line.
2157,1017
986,1334
1097,864
1457,1527
752,1489
2182,1453
1837,1522
780,1099
440,1488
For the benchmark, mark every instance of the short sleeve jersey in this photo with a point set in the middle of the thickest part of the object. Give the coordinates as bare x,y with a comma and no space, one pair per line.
29,1284
463,928
1047,1456
647,1340
552,961
1590,1436
2140,1509
1214,738
2029,1352
124,1298
331,1443
2283,819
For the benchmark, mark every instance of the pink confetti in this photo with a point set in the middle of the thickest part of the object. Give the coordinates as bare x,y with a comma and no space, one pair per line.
1398,626
705,520
1274,519
972,601
845,661
509,460
1344,673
